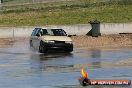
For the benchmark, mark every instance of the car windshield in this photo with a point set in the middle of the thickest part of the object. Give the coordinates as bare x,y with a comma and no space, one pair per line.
53,32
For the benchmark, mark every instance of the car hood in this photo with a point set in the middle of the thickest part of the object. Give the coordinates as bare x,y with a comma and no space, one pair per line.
56,38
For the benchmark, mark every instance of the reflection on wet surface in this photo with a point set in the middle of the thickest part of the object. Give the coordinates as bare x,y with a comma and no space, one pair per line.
22,67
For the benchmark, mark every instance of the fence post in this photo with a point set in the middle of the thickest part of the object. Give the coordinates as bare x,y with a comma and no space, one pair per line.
13,33
1,1
33,1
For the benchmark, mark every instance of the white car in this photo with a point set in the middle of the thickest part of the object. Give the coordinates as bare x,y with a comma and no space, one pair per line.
50,39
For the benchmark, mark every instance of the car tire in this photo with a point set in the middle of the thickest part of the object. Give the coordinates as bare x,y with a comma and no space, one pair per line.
31,44
42,49
69,50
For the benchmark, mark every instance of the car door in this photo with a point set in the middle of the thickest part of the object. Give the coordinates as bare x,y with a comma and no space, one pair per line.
36,39
32,38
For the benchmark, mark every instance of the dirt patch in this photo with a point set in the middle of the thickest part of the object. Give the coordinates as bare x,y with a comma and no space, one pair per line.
119,40
6,42
82,41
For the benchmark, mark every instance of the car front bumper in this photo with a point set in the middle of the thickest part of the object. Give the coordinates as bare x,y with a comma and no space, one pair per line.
64,46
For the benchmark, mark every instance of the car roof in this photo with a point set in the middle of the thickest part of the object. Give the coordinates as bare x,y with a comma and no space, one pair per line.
38,28
51,28
47,29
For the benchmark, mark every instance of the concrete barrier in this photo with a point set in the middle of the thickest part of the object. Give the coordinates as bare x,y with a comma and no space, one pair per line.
79,29
116,28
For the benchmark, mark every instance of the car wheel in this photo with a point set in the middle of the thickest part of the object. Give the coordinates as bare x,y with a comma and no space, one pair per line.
31,44
42,49
69,50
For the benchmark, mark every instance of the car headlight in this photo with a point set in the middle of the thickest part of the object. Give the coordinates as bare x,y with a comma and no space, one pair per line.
69,42
49,41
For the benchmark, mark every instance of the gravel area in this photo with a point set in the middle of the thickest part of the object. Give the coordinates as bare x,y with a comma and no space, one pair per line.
119,40
82,41
6,42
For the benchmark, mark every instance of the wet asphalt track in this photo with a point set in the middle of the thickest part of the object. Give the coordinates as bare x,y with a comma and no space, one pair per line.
22,67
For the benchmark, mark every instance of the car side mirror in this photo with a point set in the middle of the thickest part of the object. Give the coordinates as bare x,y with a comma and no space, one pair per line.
38,35
69,35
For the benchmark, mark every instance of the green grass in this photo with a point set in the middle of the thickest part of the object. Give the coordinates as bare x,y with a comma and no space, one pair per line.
16,1
65,13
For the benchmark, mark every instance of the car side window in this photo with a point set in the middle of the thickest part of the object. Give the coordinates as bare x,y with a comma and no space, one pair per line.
33,33
37,33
